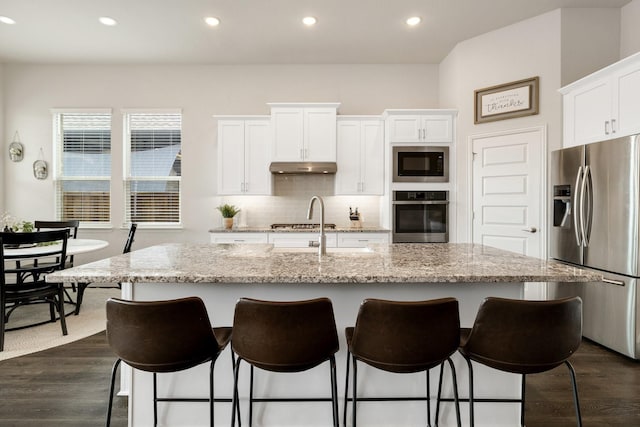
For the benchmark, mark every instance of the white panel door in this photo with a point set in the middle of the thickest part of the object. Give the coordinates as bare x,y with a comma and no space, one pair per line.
508,192
230,156
349,158
372,169
320,134
257,143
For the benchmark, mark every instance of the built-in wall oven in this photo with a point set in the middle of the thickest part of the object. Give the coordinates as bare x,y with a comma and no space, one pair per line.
420,164
420,216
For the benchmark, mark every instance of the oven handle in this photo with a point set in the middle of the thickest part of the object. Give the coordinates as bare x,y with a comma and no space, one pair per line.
421,202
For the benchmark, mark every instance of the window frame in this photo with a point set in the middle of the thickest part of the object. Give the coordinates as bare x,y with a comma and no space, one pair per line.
126,169
57,163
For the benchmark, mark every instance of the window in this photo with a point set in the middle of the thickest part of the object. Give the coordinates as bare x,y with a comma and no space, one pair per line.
153,143
82,168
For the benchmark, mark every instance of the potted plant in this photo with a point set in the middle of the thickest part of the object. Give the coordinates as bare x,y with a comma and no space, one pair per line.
228,212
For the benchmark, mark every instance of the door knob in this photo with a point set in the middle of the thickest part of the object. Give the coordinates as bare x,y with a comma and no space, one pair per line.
530,229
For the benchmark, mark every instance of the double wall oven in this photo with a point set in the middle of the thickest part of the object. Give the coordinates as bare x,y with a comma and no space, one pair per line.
420,216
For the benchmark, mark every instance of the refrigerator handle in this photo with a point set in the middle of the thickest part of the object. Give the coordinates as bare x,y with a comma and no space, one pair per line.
583,188
577,207
588,225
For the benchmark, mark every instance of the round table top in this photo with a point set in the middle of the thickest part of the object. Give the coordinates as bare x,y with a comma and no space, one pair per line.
74,247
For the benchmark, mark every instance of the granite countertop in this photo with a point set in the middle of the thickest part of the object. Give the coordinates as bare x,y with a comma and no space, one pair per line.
262,263
291,230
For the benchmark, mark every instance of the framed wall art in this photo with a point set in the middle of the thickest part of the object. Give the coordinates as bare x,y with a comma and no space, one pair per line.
507,101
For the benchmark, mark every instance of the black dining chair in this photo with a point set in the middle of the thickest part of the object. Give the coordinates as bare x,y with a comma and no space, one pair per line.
127,248
24,282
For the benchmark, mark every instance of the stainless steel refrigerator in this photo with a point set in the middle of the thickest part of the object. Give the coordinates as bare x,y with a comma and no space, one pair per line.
596,224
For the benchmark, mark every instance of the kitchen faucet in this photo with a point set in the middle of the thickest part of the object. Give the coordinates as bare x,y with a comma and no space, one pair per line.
322,243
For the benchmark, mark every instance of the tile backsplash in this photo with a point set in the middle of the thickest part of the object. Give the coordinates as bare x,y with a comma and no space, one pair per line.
290,201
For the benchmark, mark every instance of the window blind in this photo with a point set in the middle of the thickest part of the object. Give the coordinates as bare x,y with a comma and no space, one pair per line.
82,173
154,168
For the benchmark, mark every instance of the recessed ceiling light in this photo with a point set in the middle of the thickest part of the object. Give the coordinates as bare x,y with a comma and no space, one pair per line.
309,21
212,21
105,20
413,21
7,20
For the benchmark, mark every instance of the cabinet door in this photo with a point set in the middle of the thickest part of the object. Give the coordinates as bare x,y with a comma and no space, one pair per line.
372,158
235,237
320,134
589,114
348,177
230,156
361,239
405,128
627,101
257,158
437,129
288,135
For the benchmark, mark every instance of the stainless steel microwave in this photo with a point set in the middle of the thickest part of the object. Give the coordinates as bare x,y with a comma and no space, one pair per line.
420,164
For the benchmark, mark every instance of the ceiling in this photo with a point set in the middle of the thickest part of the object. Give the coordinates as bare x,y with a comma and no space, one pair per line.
255,31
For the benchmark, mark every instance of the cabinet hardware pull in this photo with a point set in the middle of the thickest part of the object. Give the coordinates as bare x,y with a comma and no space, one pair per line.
242,187
606,127
530,229
613,125
246,187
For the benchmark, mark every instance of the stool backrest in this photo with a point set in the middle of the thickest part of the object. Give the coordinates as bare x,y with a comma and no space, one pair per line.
161,336
71,225
409,336
526,336
284,336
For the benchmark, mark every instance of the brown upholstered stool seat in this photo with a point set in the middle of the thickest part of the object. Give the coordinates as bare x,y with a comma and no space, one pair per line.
403,337
523,337
285,337
161,337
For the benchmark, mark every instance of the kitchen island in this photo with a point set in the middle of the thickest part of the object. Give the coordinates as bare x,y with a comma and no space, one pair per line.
220,274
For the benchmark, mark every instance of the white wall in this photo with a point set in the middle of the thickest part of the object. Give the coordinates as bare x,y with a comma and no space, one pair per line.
526,49
590,41
201,91
630,29
4,147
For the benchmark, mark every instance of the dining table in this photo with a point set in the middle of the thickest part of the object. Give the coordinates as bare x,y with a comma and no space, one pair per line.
74,247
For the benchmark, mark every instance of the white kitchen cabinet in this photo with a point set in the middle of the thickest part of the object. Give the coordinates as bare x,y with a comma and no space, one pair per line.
361,239
603,105
304,132
244,154
300,240
360,156
235,237
420,127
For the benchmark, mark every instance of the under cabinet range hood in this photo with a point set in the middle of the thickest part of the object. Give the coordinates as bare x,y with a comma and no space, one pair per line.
303,167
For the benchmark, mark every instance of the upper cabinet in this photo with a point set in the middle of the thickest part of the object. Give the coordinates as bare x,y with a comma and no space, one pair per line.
360,156
244,154
414,126
303,132
603,105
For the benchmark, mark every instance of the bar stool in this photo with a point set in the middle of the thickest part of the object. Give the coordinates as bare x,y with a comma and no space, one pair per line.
404,337
523,337
164,336
285,337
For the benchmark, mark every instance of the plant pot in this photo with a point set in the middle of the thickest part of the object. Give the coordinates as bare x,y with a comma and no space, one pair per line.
228,223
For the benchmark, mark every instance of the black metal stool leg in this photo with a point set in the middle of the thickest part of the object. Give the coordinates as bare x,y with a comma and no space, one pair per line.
522,399
574,385
211,398
455,390
346,390
334,392
111,387
428,399
155,400
235,401
439,394
355,391
471,414
235,405
251,398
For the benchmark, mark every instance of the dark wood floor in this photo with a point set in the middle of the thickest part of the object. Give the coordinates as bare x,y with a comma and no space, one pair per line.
68,386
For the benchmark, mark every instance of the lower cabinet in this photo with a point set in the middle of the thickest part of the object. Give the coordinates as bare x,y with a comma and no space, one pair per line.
231,237
300,240
361,239
354,239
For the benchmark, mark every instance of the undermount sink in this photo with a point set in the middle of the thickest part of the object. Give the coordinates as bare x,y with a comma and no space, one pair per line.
329,250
